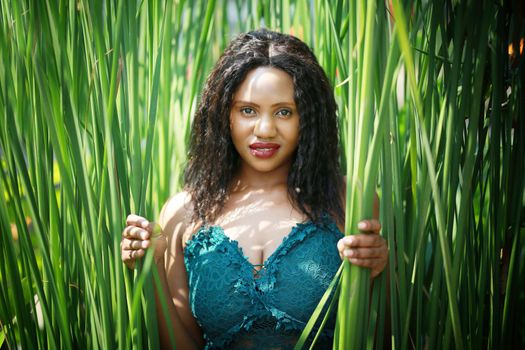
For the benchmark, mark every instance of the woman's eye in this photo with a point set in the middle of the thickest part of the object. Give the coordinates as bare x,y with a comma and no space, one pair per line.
284,113
247,111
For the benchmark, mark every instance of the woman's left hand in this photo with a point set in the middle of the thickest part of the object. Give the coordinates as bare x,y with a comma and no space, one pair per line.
367,249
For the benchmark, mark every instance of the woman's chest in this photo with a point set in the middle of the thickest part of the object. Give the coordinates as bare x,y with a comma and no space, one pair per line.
258,225
224,289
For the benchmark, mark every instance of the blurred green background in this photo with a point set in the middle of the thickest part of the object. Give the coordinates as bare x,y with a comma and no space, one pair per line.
96,102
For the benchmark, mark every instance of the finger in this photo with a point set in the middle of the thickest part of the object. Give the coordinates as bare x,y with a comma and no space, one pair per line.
135,232
131,255
376,266
126,259
370,263
135,254
341,245
365,253
130,231
136,220
134,244
363,240
369,226
341,248
139,221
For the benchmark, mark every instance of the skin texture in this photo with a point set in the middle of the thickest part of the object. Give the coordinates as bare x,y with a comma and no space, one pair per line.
257,213
253,119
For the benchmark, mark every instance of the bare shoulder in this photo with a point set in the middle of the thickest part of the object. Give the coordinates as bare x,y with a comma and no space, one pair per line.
175,216
177,207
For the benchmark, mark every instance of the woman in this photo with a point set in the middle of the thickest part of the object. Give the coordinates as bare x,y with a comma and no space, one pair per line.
250,246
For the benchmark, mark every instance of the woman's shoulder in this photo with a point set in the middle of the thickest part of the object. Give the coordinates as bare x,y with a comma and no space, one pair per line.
176,216
177,206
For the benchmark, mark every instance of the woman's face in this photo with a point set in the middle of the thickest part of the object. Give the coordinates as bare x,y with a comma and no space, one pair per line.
264,121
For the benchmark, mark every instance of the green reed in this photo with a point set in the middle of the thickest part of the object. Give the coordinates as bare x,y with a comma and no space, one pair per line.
96,100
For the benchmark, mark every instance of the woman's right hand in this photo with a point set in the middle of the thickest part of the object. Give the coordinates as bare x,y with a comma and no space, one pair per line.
137,236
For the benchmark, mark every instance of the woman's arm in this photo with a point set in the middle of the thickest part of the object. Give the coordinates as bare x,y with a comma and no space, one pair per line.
169,260
175,222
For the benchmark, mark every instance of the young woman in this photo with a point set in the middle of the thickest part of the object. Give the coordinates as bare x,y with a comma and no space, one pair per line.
248,249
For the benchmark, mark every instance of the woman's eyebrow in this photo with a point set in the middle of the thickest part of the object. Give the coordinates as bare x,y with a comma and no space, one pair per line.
256,105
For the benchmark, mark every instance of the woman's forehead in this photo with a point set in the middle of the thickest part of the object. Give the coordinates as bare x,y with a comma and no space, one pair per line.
266,84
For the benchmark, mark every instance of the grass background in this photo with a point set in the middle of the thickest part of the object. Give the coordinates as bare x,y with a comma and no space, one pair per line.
96,100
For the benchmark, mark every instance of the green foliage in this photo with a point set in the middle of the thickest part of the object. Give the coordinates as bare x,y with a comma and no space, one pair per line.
96,100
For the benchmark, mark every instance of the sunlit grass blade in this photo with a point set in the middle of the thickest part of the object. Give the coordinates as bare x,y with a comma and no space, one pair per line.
330,292
96,103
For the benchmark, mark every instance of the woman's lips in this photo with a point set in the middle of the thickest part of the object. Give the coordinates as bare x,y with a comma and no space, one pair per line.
264,149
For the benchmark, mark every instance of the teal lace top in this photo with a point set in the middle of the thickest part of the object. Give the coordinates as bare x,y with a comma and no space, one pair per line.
240,307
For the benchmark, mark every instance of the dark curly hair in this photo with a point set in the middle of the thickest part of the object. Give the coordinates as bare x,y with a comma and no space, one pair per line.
314,180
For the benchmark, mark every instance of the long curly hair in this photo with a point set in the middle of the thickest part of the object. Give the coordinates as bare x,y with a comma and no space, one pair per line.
314,181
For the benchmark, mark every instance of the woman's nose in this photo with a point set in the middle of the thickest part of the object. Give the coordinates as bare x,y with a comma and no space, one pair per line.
265,127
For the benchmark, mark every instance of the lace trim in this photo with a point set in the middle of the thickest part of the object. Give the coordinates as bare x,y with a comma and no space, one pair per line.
213,238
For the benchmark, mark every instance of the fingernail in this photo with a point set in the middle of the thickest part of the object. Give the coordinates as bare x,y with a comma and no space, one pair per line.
350,240
363,225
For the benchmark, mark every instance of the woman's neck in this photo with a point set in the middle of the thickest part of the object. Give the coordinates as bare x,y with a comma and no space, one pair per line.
248,179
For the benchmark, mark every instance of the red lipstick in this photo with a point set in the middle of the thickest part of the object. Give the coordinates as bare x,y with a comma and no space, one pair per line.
264,149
